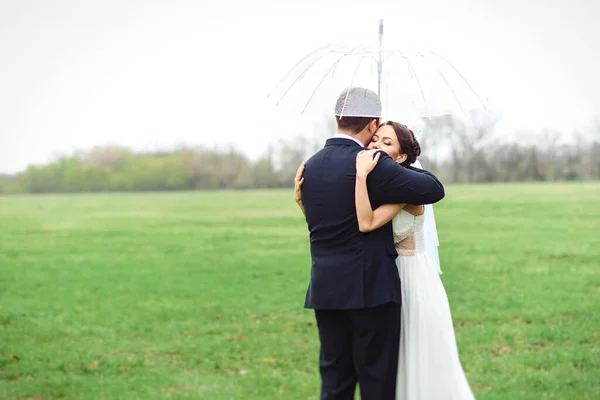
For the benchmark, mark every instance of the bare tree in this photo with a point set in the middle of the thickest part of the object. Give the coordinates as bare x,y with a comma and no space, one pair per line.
467,140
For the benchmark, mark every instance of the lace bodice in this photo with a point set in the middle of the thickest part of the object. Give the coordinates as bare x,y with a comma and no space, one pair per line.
409,236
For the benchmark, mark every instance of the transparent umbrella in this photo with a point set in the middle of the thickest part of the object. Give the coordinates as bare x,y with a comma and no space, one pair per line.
410,83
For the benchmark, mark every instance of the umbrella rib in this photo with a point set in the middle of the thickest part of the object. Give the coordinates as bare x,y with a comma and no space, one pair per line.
446,82
327,46
302,74
460,75
414,73
321,81
326,73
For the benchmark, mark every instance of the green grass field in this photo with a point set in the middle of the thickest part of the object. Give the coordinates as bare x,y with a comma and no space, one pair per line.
199,295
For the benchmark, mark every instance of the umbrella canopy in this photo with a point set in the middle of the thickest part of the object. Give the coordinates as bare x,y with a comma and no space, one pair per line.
410,83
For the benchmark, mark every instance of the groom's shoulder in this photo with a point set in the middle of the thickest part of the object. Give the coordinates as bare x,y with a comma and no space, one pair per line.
335,153
315,157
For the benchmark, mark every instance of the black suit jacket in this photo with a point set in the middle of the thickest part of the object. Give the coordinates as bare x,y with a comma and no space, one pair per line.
350,269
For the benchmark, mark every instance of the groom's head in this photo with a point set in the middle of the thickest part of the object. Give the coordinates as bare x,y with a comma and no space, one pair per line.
357,112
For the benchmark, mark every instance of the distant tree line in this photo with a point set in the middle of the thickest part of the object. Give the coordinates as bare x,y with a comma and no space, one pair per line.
473,153
479,153
114,168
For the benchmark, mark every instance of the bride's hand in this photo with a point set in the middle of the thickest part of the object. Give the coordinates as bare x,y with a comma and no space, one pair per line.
298,180
365,162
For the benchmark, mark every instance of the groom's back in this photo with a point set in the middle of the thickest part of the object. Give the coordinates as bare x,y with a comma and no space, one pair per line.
329,194
350,269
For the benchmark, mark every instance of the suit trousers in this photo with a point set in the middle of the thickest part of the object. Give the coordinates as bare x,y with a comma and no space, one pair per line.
359,345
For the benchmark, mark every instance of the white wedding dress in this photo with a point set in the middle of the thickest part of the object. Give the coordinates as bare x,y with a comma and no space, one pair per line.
429,367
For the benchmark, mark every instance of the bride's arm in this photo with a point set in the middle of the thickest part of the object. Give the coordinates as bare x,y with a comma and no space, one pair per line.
299,202
298,180
369,219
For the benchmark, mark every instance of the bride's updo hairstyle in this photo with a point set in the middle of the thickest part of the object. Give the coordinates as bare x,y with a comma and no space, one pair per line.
408,142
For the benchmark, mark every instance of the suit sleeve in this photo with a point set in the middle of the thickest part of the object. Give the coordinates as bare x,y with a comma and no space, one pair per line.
392,183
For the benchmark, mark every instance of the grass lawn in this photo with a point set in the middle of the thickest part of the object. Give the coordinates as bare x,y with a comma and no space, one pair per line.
199,295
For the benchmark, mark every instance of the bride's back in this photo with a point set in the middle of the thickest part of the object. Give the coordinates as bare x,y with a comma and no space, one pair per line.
409,236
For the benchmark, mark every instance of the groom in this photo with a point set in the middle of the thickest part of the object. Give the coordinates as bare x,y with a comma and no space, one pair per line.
354,285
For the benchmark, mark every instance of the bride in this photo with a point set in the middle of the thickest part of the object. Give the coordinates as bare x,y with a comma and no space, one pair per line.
429,367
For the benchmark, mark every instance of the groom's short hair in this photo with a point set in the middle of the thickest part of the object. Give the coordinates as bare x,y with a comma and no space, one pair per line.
354,124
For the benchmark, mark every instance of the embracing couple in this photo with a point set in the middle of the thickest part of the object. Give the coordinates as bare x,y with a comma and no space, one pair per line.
382,313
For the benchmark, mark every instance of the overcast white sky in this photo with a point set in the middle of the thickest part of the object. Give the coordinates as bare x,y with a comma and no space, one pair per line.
74,74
